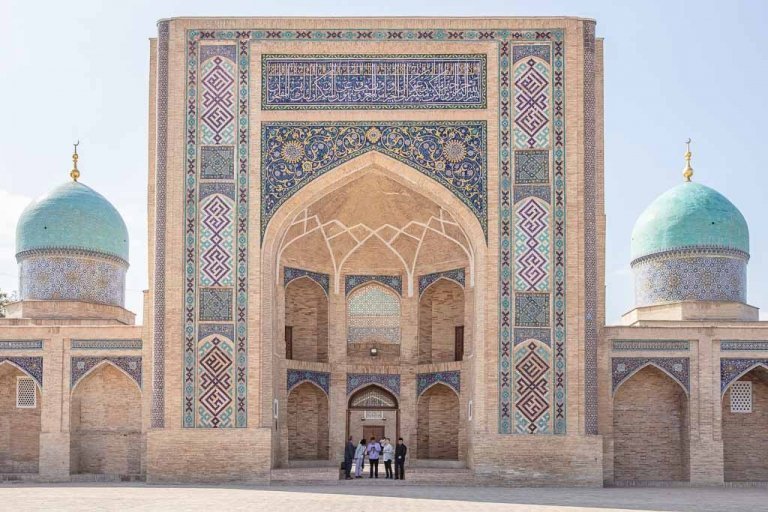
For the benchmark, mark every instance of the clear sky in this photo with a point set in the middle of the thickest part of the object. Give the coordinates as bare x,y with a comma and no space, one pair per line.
673,69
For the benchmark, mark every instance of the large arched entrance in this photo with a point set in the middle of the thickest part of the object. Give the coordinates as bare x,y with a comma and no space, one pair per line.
373,412
307,423
745,428
650,428
20,406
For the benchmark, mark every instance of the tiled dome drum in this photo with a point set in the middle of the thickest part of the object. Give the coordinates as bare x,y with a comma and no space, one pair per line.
72,245
690,244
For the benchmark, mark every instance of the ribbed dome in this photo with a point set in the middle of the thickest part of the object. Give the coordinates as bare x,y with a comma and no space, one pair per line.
687,216
73,216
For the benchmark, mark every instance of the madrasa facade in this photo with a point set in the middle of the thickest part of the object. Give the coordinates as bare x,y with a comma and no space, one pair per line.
381,227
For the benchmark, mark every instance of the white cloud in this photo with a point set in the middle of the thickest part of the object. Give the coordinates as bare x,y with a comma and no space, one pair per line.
11,206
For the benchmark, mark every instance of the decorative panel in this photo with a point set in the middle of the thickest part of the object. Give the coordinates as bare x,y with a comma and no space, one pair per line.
81,365
622,368
532,235
296,377
32,366
100,344
746,345
373,315
533,387
353,281
453,153
732,369
216,232
21,344
373,82
741,397
620,345
291,274
532,76
456,275
426,380
390,382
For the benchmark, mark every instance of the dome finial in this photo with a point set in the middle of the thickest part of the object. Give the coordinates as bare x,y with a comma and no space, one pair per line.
688,171
74,173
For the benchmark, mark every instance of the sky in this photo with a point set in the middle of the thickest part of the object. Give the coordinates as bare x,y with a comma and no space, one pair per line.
673,69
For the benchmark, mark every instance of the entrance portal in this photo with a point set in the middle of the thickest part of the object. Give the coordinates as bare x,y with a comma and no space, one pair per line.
373,412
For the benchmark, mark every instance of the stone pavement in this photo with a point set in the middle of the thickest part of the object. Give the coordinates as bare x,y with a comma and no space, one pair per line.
366,496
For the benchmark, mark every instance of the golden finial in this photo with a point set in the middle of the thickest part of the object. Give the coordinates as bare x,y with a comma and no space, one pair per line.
74,173
688,171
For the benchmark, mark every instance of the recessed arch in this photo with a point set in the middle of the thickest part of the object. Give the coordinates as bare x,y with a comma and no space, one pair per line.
744,416
378,394
97,367
24,371
757,364
439,279
437,423
631,374
308,422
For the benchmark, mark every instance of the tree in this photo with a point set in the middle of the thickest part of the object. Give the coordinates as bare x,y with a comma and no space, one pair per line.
5,299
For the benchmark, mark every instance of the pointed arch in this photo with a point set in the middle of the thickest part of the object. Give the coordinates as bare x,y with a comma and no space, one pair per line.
27,367
732,370
81,367
374,314
676,368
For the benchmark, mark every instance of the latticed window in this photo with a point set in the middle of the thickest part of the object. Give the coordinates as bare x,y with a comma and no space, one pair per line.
373,315
373,398
26,398
741,396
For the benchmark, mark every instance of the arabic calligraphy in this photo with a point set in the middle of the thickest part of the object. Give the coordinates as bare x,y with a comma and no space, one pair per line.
373,82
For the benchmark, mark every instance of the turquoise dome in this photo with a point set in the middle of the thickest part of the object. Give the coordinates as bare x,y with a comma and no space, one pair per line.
73,216
687,216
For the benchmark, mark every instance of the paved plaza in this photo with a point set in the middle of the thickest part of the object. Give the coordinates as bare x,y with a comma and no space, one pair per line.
366,496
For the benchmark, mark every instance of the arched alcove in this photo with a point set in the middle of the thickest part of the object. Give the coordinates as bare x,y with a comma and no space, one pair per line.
745,428
650,428
105,423
308,426
19,424
437,427
441,311
306,318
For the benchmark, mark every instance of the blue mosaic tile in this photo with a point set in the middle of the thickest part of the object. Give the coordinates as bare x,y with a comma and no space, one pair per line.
531,166
736,345
217,162
215,304
353,281
321,379
80,366
426,380
622,368
732,369
455,275
522,51
291,274
532,310
389,382
32,366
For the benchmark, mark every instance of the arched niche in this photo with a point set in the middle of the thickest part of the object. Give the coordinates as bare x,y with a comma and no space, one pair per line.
308,423
306,321
745,427
441,312
19,426
437,423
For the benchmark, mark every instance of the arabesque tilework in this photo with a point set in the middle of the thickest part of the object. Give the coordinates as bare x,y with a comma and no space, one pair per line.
21,344
353,281
731,369
390,382
622,368
81,365
31,365
451,379
736,345
291,274
296,377
455,275
531,116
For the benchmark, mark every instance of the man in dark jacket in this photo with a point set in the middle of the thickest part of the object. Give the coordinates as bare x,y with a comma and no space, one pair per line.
349,454
400,453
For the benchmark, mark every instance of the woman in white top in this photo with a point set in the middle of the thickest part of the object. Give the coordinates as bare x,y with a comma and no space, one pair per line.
359,458
387,455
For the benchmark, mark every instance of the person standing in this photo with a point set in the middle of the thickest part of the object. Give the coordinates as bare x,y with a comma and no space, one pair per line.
349,454
400,453
387,454
359,459
374,450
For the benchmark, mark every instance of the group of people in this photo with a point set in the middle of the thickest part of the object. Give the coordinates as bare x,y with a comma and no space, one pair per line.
375,451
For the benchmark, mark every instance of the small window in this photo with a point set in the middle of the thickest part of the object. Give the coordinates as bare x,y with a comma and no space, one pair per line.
469,411
275,408
26,397
741,397
373,415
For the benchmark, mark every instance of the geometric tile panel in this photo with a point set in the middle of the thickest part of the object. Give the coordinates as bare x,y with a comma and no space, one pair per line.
521,51
456,275
291,274
703,278
215,382
451,153
373,315
81,365
523,334
21,345
217,240
33,366
217,162
532,166
533,388
106,344
532,310
217,96
751,345
321,379
620,345
390,382
426,380
353,281
317,82
623,368
532,259
215,304
532,104
732,369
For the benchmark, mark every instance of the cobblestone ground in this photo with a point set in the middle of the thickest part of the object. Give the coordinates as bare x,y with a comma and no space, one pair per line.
372,497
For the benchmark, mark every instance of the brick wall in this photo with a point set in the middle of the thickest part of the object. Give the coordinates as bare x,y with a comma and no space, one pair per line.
306,310
437,424
19,428
650,421
441,309
307,423
745,435
106,424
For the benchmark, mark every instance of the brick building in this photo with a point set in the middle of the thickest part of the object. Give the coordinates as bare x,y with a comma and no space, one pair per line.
388,227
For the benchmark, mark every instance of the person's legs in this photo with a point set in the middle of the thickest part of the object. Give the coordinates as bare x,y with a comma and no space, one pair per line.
371,464
388,468
358,467
400,469
376,470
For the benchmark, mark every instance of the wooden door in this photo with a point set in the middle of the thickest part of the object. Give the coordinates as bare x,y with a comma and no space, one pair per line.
458,339
288,342
376,431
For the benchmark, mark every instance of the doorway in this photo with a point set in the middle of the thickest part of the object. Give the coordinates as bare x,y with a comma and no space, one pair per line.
375,431
373,412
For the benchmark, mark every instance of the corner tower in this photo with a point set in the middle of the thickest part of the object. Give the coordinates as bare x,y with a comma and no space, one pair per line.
690,250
